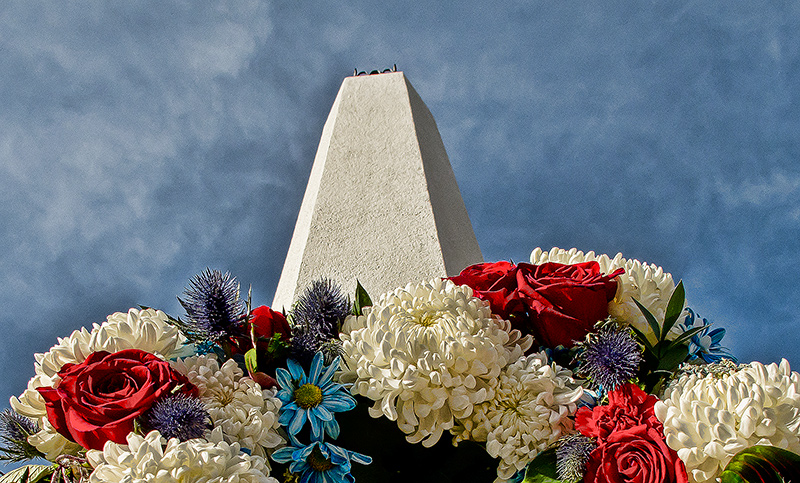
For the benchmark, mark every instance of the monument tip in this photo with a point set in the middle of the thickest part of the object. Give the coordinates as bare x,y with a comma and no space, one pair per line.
373,72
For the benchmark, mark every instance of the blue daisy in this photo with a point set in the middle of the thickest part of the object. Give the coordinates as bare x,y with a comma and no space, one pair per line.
313,397
705,344
320,462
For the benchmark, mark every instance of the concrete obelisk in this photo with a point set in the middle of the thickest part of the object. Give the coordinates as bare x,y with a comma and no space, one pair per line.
382,204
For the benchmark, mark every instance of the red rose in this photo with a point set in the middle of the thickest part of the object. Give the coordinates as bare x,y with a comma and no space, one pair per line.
98,399
630,441
268,323
555,302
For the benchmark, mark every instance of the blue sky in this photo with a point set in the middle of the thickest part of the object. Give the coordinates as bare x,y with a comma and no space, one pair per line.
141,142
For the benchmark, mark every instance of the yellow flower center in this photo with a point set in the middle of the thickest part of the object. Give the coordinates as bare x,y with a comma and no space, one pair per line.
308,396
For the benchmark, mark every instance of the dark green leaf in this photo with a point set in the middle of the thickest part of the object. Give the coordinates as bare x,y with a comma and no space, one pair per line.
673,357
651,319
762,464
543,468
686,336
674,309
361,300
251,360
27,474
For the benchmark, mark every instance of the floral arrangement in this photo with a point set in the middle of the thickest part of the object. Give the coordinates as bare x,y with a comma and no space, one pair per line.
573,367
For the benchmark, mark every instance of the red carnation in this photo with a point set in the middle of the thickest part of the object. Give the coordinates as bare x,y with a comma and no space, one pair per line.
98,399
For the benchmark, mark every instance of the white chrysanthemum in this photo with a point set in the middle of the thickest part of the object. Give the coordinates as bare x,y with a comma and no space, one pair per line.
709,418
147,460
247,414
426,354
530,410
647,283
146,330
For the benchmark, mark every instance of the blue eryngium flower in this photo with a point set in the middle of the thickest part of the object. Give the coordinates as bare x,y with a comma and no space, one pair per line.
213,306
610,357
320,462
571,456
313,397
706,343
14,432
316,319
178,416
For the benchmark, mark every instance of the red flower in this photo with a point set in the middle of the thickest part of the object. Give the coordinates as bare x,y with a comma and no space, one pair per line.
268,323
98,399
557,303
630,441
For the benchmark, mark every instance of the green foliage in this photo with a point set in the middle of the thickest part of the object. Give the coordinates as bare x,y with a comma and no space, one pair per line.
762,464
28,474
663,358
361,299
251,360
543,468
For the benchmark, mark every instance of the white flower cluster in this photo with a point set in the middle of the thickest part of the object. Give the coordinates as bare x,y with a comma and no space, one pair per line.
647,283
146,330
246,414
152,459
427,354
531,409
709,418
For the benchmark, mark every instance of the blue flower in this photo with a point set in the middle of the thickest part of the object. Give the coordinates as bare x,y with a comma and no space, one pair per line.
213,306
178,416
320,462
314,397
316,319
706,343
610,357
571,457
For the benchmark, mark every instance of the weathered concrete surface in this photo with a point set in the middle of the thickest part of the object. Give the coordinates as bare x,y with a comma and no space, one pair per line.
382,204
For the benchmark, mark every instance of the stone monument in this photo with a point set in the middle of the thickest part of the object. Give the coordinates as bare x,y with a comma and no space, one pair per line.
382,204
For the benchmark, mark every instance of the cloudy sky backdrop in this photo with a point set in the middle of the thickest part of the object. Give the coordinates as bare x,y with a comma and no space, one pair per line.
141,142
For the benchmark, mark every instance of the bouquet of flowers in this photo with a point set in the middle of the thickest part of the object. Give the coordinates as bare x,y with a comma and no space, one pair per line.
574,367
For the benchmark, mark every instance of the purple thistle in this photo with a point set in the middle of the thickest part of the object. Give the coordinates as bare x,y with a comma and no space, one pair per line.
212,305
322,305
610,357
571,457
178,416
14,432
316,319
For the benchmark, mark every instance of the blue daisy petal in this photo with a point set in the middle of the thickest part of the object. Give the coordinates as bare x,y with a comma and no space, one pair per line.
298,421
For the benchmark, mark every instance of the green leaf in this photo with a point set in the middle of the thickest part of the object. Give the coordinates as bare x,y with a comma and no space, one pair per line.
673,357
674,309
361,300
650,318
251,360
543,468
686,335
27,474
762,464
642,338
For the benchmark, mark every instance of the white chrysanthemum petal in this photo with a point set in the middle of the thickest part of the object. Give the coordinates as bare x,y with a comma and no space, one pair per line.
647,283
147,460
238,406
146,330
709,418
530,410
427,354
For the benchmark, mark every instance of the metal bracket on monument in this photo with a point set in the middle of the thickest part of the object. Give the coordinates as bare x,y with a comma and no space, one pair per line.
373,72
